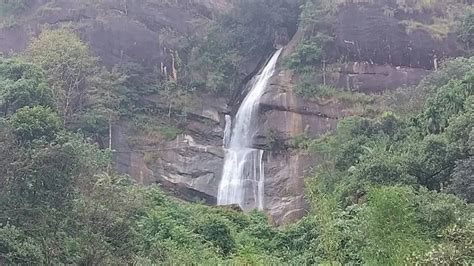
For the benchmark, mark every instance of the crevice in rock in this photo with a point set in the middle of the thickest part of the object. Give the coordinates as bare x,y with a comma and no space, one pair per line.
195,175
266,108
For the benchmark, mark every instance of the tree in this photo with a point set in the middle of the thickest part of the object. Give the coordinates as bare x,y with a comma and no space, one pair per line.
40,183
17,248
21,84
45,174
466,30
309,53
456,249
104,218
252,24
68,66
249,29
388,226
12,6
102,108
138,83
462,182
34,123
218,233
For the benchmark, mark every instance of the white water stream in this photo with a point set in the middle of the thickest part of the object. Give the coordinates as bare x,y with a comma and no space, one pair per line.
243,175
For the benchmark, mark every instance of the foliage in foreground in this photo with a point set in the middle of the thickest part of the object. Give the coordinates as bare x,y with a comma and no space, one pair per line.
396,190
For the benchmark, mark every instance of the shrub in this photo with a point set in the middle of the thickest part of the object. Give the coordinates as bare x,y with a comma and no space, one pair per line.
35,123
466,30
218,233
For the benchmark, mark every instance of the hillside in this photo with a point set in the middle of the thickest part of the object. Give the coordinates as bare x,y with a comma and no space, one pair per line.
117,118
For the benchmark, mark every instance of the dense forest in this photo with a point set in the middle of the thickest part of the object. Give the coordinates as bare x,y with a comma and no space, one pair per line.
395,185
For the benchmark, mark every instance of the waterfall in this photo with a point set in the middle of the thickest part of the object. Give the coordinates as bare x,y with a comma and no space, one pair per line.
227,131
243,175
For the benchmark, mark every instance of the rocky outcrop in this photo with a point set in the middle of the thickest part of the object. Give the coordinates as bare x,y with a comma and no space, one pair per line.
371,78
149,33
284,185
379,52
145,32
380,55
284,116
188,167
382,34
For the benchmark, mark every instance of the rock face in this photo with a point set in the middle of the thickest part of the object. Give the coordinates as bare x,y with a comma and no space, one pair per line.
149,33
287,116
374,33
379,52
371,78
145,32
188,167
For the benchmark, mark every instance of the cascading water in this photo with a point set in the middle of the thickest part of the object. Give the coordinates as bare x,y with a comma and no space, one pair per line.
243,175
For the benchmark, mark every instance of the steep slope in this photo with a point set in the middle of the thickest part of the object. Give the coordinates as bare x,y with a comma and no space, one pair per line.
371,53
375,46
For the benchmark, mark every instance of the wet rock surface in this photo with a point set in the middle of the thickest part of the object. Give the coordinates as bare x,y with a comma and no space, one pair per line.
190,166
133,31
284,115
149,33
370,78
370,33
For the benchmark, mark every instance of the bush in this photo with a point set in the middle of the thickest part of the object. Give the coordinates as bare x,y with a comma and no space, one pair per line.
466,30
218,233
388,227
312,91
273,142
170,132
309,53
21,84
35,123
17,248
12,6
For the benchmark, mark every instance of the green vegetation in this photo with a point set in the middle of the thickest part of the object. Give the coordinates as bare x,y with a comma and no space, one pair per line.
317,25
273,142
439,30
89,98
246,31
313,49
21,84
355,102
170,132
309,53
393,189
374,181
67,65
12,6
466,30
11,10
34,123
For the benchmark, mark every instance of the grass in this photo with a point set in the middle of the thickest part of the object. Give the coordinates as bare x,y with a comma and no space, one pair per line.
170,132
146,130
11,12
439,30
407,6
320,93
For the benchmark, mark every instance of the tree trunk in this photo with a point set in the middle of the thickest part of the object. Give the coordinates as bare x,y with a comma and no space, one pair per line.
110,132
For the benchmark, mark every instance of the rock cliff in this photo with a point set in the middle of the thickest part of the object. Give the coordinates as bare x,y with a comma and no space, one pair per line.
377,50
